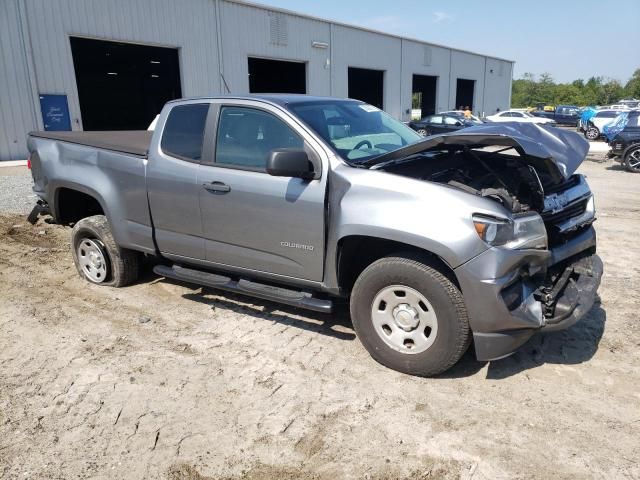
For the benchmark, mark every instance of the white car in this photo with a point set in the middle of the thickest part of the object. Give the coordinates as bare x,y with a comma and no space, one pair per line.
593,129
516,116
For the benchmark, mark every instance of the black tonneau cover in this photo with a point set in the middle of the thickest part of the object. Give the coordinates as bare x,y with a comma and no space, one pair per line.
134,142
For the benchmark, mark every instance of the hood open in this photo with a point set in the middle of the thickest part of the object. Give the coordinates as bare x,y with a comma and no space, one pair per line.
560,151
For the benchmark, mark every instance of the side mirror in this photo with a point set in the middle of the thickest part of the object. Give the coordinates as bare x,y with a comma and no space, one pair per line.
458,124
287,162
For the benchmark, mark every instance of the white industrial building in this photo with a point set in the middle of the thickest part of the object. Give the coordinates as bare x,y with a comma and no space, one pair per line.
111,64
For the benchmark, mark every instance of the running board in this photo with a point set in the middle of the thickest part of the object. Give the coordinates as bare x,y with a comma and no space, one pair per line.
259,290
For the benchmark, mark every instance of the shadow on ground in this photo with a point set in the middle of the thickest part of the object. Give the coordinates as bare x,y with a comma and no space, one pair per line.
575,345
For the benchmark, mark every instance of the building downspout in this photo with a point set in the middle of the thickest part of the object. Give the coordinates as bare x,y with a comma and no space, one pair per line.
223,82
31,69
484,88
450,100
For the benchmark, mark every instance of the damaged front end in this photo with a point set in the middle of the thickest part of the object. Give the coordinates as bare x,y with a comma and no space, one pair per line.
513,290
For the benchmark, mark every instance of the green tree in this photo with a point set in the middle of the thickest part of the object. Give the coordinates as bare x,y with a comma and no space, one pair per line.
632,88
529,91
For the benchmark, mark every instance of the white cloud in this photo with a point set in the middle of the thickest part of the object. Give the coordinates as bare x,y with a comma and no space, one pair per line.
439,17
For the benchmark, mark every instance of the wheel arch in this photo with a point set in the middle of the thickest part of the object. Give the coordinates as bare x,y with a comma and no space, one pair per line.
357,252
73,202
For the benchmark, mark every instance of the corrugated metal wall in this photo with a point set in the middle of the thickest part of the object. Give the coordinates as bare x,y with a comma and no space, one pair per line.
17,110
246,32
190,27
35,54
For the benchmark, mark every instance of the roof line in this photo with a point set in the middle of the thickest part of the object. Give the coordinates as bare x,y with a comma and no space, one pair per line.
365,29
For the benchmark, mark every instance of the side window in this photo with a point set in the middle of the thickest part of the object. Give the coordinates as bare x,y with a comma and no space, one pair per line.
506,114
517,115
436,119
450,121
184,130
246,137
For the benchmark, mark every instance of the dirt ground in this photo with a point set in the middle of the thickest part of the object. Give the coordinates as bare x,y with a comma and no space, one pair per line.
161,380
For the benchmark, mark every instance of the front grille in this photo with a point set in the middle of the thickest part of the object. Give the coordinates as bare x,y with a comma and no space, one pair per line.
571,211
563,223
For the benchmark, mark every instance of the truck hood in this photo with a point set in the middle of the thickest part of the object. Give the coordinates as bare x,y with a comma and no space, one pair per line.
560,151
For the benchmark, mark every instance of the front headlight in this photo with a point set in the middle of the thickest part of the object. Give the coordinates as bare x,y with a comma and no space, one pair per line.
521,232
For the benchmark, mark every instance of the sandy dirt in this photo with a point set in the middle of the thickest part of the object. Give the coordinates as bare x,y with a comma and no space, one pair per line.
161,380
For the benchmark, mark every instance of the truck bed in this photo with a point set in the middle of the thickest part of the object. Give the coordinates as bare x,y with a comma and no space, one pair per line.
134,142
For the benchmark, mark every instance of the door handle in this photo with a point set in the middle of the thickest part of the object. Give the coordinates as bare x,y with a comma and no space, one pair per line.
217,187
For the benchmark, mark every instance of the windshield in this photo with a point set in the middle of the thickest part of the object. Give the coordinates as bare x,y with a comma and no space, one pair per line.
356,131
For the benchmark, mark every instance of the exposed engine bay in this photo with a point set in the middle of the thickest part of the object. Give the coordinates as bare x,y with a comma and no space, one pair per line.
499,174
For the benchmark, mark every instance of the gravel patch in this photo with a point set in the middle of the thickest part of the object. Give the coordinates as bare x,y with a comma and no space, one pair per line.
16,195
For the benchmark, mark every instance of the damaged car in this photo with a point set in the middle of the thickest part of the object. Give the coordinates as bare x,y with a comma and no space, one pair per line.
479,236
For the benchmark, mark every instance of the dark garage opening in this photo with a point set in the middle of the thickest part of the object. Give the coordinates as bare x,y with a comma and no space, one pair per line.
424,94
123,86
464,93
276,76
367,85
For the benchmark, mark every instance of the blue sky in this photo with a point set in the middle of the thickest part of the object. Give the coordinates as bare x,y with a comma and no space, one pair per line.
569,39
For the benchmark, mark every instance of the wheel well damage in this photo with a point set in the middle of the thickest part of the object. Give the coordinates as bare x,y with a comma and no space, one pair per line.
73,205
357,252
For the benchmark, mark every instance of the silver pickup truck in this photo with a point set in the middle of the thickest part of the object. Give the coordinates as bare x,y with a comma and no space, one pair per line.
484,234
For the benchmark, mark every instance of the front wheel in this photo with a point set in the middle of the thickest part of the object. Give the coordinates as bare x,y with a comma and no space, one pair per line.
97,256
632,160
592,133
409,316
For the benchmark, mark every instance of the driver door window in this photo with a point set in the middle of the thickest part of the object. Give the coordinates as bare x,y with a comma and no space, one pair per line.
246,137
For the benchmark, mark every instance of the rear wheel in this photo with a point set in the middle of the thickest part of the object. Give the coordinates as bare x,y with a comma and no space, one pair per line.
423,132
409,316
97,257
632,159
592,133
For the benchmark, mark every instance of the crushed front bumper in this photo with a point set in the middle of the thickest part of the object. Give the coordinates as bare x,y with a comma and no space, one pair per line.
510,295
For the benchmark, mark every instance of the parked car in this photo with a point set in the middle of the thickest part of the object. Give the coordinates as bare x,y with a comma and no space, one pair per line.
311,200
460,113
625,145
630,102
562,115
441,123
594,126
521,117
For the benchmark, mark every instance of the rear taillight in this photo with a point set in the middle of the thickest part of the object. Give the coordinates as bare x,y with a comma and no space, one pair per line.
29,163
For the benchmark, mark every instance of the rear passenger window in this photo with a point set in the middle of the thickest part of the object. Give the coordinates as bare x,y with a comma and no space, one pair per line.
184,131
246,137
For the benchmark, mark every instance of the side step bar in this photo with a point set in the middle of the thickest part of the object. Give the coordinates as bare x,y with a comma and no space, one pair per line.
266,292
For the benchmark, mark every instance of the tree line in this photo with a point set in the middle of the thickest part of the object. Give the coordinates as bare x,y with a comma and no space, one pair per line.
529,91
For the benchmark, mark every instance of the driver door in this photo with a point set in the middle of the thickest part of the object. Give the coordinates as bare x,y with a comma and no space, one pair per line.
252,220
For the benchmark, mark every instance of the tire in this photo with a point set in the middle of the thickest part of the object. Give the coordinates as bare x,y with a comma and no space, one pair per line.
447,337
592,133
632,159
423,132
97,257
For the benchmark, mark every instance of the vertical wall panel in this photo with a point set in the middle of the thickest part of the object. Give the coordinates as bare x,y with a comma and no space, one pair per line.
364,49
497,86
246,32
17,114
413,63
